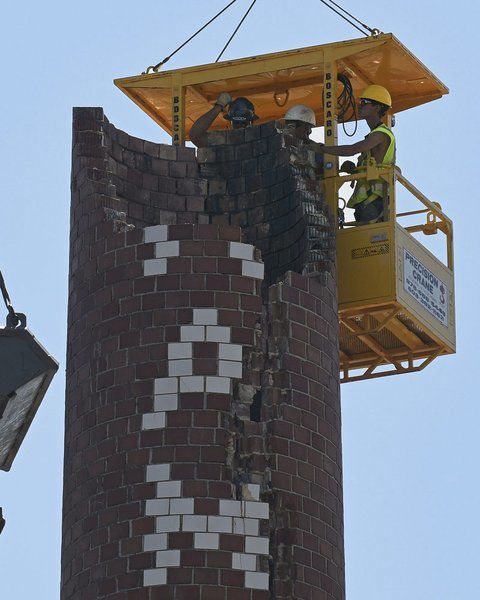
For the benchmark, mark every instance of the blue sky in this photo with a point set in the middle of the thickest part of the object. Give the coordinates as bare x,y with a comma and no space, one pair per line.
411,443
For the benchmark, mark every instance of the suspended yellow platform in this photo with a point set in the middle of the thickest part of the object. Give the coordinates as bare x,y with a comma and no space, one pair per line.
273,82
396,298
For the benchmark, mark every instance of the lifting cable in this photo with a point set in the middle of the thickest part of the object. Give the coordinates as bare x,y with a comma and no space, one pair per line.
154,68
13,319
369,29
236,29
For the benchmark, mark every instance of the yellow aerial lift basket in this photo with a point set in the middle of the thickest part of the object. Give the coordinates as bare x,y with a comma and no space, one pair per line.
396,299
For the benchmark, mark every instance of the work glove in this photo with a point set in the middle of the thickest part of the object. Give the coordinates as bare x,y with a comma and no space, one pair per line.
223,99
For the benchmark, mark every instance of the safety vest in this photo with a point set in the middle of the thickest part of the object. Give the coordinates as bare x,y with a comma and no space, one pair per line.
368,191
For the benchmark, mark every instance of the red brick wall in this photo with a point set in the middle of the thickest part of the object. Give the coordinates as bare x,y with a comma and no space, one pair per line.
150,183
202,444
306,461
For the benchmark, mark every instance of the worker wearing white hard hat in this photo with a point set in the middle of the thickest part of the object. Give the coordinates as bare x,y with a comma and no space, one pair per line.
299,120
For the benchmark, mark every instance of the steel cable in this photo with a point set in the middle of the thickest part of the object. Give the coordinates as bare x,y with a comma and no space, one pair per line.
236,29
6,297
372,31
155,68
14,319
343,16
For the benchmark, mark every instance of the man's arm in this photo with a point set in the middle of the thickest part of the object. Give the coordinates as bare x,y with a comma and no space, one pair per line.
198,131
371,141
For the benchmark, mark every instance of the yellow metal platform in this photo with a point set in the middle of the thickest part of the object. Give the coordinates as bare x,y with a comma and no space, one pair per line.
180,96
396,299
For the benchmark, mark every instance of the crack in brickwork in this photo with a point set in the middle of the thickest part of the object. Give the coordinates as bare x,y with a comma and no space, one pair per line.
263,454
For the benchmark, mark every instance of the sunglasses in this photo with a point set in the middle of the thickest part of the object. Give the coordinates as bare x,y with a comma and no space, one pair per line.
364,101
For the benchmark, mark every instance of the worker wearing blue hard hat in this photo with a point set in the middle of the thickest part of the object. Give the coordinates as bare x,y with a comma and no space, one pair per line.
241,113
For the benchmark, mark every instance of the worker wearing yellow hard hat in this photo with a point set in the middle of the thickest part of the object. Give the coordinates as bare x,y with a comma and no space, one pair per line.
368,196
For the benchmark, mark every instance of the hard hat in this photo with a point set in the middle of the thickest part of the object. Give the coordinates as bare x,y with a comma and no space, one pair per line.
300,112
377,93
241,111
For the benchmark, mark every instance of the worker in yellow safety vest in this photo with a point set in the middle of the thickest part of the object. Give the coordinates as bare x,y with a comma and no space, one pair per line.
368,196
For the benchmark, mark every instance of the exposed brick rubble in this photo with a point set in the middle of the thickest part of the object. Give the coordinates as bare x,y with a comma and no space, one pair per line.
202,445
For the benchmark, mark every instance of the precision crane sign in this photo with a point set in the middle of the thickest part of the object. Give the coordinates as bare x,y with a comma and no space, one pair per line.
396,297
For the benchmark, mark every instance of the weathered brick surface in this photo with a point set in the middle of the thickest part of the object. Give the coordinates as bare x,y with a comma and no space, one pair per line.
259,182
150,183
306,439
277,429
121,326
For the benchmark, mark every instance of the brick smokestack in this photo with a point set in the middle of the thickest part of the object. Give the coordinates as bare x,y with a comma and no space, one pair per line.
202,444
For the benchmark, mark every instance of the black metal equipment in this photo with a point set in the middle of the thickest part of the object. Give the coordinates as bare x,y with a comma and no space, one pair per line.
26,370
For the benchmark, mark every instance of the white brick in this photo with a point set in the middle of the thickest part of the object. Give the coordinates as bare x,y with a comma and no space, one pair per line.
207,541
179,350
257,581
194,523
218,334
168,558
154,420
245,562
155,266
192,384
180,367
158,472
238,250
168,524
257,545
166,385
245,526
231,508
257,510
165,402
220,524
205,316
164,249
250,491
169,489
157,507
181,506
155,541
157,233
155,577
252,269
227,368
218,385
192,333
230,351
